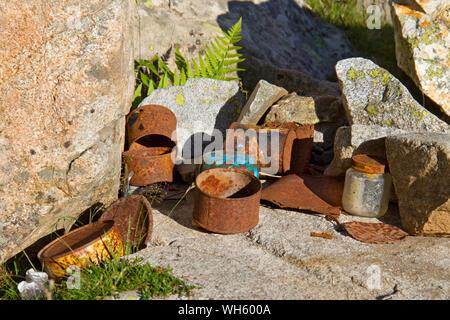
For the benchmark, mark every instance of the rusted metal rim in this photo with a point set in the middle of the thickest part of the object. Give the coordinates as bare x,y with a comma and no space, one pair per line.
94,231
227,200
149,120
237,170
148,166
287,150
134,226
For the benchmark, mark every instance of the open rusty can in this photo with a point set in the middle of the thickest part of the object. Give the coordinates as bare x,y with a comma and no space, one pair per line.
227,200
151,133
150,121
150,165
133,219
279,148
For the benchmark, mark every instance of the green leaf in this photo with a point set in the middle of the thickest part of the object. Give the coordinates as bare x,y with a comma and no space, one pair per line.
145,79
179,59
167,72
150,65
137,92
183,77
151,87
176,78
197,72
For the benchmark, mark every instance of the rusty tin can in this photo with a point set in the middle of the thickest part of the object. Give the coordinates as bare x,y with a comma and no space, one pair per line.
227,200
150,165
92,243
291,154
133,219
150,120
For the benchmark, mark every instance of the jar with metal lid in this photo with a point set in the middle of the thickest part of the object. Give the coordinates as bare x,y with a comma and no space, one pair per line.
367,187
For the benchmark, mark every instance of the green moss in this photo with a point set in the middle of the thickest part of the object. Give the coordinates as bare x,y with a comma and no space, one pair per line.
179,99
374,73
377,73
353,74
398,91
371,109
434,72
389,123
428,37
419,115
386,78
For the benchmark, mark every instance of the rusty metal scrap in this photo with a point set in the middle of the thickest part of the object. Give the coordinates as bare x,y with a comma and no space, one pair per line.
374,232
227,200
322,235
320,194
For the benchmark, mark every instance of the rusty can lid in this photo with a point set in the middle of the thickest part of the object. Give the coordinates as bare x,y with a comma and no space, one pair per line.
366,164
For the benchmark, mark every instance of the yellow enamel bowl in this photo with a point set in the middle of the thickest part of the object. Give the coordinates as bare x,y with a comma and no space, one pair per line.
92,243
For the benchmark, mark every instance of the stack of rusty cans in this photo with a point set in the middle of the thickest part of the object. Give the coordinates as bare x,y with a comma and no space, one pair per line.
151,136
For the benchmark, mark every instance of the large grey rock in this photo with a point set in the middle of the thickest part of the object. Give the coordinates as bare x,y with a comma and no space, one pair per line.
280,260
420,168
422,45
66,83
263,96
373,96
281,33
358,139
201,106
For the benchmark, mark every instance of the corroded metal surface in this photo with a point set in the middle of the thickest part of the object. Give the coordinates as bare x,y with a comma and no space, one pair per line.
374,232
294,145
320,194
94,242
150,165
133,219
220,159
151,120
227,200
151,133
257,142
367,164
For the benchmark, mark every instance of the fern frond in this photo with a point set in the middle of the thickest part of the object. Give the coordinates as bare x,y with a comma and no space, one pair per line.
216,62
176,78
151,87
183,77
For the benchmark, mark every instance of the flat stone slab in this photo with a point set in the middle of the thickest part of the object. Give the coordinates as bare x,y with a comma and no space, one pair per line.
280,260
